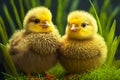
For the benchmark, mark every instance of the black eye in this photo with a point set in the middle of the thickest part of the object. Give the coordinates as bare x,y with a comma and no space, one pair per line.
36,21
83,24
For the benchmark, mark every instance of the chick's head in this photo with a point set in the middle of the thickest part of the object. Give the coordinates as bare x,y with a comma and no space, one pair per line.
38,19
81,25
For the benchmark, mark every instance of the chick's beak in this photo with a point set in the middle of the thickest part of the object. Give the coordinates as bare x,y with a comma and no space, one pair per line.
73,27
45,24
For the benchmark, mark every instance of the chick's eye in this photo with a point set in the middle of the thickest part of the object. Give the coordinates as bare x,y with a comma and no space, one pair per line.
36,20
83,24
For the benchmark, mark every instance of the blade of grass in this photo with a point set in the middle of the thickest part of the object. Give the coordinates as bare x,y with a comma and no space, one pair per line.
104,14
107,26
112,50
16,15
8,61
57,70
3,32
96,6
98,20
6,67
6,75
74,5
21,9
38,2
105,5
59,17
47,3
27,4
103,19
111,34
65,3
33,3
12,25
65,12
116,10
111,41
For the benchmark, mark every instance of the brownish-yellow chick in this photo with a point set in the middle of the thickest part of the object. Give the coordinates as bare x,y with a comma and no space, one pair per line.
34,49
82,47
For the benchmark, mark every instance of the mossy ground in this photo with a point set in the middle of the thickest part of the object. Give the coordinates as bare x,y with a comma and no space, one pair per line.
103,73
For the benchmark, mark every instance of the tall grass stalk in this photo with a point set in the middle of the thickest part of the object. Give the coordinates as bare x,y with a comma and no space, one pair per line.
112,51
74,5
11,22
59,17
65,3
27,4
33,2
3,32
47,3
110,19
96,15
21,9
8,63
16,15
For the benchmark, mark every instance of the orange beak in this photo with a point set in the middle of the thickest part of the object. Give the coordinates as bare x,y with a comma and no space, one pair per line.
45,24
73,27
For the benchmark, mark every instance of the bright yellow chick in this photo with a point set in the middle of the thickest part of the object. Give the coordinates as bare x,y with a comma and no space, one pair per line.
34,49
82,47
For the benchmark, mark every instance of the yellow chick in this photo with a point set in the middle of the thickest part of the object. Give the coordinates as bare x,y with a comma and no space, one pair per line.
34,49
82,48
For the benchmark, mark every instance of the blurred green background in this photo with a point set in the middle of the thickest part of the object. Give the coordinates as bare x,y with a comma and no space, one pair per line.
59,8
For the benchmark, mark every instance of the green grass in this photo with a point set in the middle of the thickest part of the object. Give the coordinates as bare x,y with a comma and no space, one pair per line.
108,32
103,73
106,26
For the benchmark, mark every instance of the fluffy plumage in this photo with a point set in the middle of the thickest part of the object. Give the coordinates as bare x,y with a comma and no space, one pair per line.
34,49
82,47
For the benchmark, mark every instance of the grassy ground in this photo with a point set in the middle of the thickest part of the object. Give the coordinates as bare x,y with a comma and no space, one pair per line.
103,73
